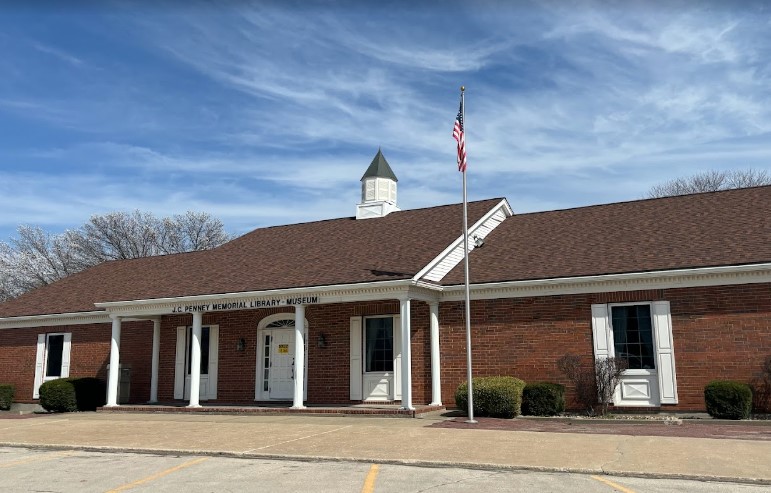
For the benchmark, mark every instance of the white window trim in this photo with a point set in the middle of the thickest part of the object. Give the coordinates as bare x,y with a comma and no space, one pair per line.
661,326
41,360
180,368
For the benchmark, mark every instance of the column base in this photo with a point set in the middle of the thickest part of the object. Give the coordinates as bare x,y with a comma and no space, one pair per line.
194,405
298,407
111,405
405,408
436,403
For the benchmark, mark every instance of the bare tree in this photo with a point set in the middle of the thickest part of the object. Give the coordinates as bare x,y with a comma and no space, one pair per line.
608,373
190,232
36,258
711,181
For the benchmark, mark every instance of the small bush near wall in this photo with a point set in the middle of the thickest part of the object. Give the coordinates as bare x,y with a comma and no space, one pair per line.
58,396
498,397
6,396
728,400
543,399
72,394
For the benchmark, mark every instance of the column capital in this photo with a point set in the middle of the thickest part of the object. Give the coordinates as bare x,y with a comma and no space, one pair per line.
115,317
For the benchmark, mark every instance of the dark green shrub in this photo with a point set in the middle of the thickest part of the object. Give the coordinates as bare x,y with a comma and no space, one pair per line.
543,399
89,393
498,397
58,396
728,400
6,396
72,394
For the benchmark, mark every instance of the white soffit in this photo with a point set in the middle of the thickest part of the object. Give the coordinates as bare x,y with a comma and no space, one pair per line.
453,254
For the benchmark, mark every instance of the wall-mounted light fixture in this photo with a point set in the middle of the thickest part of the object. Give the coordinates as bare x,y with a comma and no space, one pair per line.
322,340
241,344
478,241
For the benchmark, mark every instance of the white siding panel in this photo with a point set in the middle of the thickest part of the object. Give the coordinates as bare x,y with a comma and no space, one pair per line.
355,353
665,355
41,349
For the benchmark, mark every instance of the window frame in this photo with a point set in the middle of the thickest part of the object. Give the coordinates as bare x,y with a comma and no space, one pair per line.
612,347
364,345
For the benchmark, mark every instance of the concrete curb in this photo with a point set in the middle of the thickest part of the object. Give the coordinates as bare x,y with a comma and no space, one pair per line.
401,462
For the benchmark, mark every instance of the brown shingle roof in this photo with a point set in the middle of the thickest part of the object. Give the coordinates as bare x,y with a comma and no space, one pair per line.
701,230
337,251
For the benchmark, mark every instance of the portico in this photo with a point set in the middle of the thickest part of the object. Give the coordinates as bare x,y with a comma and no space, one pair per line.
279,333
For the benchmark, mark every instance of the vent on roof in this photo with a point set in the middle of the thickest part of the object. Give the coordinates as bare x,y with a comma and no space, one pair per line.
378,189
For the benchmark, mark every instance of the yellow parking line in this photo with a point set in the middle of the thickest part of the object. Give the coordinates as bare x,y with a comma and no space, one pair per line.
158,475
369,482
36,458
613,485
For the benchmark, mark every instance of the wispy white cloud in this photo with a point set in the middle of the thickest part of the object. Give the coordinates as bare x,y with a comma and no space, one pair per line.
233,110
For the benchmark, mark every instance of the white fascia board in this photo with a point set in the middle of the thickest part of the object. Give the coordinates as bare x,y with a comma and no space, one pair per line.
634,281
78,318
339,293
502,205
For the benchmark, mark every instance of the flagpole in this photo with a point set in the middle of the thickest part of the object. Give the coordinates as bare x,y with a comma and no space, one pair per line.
468,295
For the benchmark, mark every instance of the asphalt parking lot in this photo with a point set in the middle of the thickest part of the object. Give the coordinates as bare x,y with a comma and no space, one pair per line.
36,470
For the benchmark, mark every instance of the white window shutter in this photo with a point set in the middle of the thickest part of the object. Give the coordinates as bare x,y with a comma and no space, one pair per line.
397,357
356,368
601,333
179,367
665,355
214,343
66,354
41,351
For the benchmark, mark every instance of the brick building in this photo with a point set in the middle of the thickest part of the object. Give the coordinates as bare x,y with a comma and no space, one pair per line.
680,287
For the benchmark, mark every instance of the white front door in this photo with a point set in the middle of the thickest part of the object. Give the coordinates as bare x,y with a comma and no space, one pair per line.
209,363
281,371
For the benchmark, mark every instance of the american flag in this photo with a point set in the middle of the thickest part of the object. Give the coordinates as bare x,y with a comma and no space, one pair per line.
458,135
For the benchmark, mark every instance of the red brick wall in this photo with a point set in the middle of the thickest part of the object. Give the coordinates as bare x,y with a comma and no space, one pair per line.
89,354
719,332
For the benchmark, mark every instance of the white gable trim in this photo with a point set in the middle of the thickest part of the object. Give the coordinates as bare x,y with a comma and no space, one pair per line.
453,254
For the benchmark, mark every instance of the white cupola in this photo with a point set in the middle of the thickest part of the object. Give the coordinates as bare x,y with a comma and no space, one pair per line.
378,190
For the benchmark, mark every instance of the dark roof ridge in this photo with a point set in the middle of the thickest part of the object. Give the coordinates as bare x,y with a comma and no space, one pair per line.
353,218
647,199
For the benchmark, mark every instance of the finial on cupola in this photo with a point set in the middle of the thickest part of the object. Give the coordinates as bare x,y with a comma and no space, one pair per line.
378,189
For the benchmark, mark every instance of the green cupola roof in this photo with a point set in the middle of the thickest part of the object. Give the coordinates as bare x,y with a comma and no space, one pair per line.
379,168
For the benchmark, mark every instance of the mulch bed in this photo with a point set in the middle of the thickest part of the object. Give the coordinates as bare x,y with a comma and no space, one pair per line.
652,428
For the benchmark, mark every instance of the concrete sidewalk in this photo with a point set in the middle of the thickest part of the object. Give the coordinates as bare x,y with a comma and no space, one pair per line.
396,441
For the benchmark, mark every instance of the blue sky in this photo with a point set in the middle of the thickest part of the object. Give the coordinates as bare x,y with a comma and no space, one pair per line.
265,113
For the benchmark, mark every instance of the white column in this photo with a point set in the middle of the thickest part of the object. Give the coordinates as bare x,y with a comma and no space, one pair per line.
114,372
156,358
406,355
195,361
299,356
436,380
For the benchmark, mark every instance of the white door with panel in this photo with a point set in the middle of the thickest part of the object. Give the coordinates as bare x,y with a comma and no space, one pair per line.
282,364
376,358
276,359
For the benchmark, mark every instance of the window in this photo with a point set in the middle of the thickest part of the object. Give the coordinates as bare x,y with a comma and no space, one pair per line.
204,350
633,336
379,344
52,360
54,349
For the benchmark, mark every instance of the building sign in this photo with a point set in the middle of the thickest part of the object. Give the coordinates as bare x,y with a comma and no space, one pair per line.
283,349
244,304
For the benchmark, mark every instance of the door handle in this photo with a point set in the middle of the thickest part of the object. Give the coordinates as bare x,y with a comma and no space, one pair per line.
292,368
